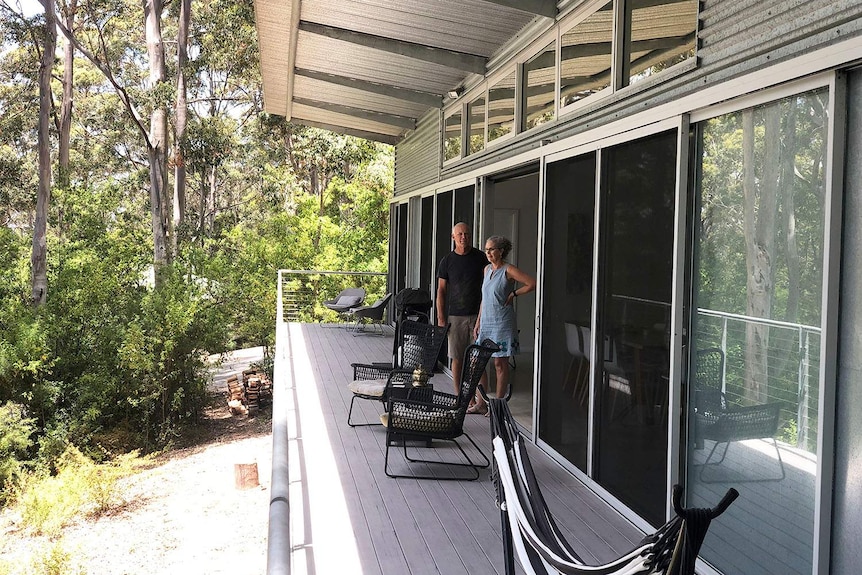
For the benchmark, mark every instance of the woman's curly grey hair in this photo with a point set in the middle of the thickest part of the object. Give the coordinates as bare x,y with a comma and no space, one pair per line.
502,243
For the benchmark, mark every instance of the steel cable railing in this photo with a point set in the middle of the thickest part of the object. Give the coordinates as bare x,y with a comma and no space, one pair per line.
298,293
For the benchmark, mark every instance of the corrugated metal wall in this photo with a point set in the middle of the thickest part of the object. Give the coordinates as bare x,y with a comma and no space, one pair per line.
417,157
736,37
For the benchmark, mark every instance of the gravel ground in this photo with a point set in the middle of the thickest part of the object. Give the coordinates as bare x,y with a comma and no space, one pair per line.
182,515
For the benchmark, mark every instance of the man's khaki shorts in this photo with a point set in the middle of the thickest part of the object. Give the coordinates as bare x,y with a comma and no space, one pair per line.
460,334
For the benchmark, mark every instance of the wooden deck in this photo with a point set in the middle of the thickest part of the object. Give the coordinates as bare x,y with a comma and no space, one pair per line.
348,517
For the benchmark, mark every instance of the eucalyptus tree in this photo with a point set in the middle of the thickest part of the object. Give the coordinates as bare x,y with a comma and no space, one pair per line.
118,59
19,105
65,118
39,256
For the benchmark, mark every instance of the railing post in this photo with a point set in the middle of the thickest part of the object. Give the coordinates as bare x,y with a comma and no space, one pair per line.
724,351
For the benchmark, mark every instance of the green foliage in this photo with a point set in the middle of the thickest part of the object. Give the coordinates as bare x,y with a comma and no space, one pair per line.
163,353
50,558
15,440
48,502
56,559
110,363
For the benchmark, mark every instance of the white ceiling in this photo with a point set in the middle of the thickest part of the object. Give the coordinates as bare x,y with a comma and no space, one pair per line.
371,68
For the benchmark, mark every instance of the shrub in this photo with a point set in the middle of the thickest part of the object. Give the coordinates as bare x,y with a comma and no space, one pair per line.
15,433
55,559
50,502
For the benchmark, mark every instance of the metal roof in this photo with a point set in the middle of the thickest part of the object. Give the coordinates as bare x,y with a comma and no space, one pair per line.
372,68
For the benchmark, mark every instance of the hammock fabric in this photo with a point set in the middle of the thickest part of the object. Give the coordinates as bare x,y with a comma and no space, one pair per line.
531,534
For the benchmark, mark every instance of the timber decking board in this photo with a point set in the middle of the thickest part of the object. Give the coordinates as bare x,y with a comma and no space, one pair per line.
407,526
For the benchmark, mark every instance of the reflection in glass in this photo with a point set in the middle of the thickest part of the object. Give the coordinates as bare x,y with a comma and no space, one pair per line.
426,265
540,86
476,125
464,206
501,107
756,332
635,298
585,59
567,309
452,137
442,230
662,34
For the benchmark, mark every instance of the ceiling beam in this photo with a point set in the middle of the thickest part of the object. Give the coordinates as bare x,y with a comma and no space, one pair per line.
373,136
406,94
295,7
380,117
449,58
546,8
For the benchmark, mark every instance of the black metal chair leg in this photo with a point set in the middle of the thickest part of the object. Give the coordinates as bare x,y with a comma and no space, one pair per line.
350,414
475,467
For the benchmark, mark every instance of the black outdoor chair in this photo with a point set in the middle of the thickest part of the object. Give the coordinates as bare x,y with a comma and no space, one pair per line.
424,414
346,300
411,304
417,345
723,424
370,314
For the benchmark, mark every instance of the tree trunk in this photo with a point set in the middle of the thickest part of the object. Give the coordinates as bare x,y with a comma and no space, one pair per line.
66,105
39,256
315,185
788,178
159,206
760,217
181,118
211,201
203,207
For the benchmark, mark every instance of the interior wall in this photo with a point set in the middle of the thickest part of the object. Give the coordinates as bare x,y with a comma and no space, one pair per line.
847,521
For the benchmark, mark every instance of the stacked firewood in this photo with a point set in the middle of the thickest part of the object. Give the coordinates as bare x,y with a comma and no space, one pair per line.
246,395
258,388
236,400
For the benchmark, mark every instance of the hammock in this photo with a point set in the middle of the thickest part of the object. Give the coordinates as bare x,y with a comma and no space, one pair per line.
530,533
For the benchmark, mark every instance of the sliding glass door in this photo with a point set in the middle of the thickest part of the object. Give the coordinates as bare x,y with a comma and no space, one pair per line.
567,312
609,417
636,267
756,331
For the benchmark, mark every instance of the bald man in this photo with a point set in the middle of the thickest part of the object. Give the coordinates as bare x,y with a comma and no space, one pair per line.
459,293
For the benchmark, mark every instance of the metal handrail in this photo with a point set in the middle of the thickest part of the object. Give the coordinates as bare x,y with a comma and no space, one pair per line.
278,541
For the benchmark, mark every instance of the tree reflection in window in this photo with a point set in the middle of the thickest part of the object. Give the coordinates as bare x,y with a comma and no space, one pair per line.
585,59
501,107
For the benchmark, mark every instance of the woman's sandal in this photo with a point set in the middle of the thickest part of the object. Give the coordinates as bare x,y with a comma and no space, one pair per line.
480,409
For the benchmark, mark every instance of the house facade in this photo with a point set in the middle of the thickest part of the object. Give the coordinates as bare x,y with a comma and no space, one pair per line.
683,178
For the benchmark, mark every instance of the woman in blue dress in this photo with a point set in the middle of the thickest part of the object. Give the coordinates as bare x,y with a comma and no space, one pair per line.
497,319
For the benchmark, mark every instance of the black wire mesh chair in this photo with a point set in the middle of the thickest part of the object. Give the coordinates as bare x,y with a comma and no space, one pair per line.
411,304
718,421
424,414
370,314
531,534
416,345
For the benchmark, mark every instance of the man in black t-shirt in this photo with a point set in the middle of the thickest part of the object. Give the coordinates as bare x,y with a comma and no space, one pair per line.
459,293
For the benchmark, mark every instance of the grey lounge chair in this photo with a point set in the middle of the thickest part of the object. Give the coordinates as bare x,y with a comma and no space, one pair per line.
346,300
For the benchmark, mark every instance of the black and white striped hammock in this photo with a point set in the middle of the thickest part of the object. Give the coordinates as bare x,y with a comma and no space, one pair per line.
531,534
